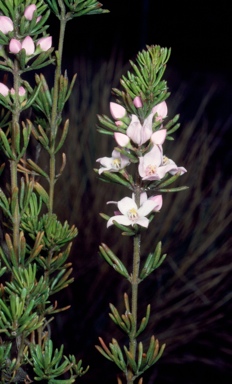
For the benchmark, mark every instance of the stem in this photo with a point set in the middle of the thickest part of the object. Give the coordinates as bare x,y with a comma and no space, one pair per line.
134,294
54,116
14,163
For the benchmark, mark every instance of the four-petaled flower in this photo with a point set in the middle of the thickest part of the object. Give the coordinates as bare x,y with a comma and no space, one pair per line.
131,214
114,163
154,166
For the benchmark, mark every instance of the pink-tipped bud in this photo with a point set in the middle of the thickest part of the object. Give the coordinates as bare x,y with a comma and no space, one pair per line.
117,111
137,102
28,45
4,90
15,46
29,11
6,24
45,43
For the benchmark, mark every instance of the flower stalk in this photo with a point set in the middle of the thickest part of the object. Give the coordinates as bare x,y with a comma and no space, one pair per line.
139,164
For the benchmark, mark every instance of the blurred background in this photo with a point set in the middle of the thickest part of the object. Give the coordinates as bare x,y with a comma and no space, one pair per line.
190,294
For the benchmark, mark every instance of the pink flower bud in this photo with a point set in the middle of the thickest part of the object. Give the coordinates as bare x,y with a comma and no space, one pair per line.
117,111
4,90
45,43
118,123
29,11
22,91
15,46
121,139
137,102
28,45
6,24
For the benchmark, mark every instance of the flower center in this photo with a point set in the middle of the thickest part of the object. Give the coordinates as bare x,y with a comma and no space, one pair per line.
132,214
116,163
151,170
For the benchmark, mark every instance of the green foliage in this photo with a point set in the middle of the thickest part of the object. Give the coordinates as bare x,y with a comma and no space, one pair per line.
77,8
35,245
50,364
146,80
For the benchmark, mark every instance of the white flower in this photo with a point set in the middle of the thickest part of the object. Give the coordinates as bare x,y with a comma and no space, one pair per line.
131,214
114,163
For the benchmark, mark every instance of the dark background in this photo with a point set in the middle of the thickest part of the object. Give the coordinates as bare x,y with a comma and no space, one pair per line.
199,34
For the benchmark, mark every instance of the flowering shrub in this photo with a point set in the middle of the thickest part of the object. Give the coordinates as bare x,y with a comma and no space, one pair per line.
35,245
140,129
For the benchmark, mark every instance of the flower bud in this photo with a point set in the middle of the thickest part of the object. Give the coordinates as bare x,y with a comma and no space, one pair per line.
29,11
117,111
28,45
137,102
15,46
6,24
22,91
45,43
4,90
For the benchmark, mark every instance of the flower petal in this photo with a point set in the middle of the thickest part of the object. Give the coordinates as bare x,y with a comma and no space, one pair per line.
126,204
147,207
143,221
120,219
161,110
158,137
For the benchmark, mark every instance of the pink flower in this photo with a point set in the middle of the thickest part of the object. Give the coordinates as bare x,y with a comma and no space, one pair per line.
15,46
114,163
45,43
6,24
151,165
137,102
28,45
29,11
161,111
4,90
131,214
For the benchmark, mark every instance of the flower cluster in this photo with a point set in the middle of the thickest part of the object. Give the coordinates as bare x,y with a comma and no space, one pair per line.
143,140
5,91
16,45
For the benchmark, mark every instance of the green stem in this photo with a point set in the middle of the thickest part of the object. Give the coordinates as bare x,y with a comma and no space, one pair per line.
54,116
14,163
134,294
